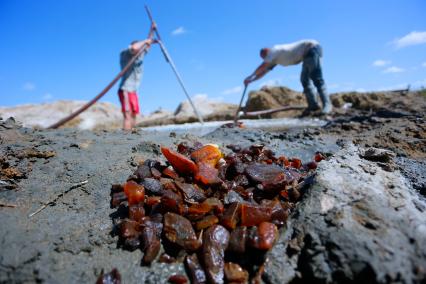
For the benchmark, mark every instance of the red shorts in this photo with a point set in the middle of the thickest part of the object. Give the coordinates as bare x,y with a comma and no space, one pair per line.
129,101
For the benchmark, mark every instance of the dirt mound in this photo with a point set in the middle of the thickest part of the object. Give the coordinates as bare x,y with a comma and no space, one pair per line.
275,97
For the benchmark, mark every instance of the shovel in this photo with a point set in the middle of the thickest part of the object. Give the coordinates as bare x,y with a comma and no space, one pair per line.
239,107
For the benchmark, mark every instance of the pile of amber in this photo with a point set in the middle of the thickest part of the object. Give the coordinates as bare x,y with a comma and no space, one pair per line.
217,213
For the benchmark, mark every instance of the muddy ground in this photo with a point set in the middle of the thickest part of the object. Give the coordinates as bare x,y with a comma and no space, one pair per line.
55,198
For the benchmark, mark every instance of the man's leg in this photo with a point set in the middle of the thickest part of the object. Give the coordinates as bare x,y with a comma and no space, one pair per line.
133,120
127,121
308,90
317,78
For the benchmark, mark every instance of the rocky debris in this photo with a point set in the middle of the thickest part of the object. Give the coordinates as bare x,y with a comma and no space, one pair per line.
100,115
353,227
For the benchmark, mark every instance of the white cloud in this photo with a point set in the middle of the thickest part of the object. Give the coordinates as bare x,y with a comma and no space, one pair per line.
270,83
234,90
361,90
393,69
333,86
28,86
380,63
179,31
413,38
47,96
424,64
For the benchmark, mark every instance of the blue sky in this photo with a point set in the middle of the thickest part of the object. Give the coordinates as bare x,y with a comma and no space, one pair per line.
51,50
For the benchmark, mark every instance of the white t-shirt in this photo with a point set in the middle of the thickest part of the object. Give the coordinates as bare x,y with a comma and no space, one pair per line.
291,53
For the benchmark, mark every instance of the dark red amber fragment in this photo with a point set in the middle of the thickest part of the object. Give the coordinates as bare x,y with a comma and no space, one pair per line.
318,157
150,237
296,163
237,241
231,217
118,198
191,192
170,172
196,272
178,230
252,214
207,174
235,274
178,279
206,222
215,242
263,236
269,176
136,212
179,162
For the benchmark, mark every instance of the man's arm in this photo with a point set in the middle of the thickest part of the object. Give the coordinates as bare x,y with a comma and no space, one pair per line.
138,45
260,71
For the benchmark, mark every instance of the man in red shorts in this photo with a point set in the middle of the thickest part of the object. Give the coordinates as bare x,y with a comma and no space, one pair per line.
130,82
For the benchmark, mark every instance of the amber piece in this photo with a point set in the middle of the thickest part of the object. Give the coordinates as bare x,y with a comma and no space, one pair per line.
215,242
283,161
135,192
278,213
165,258
170,201
129,229
231,216
179,162
178,279
142,172
235,274
129,233
216,204
152,186
199,209
311,165
269,176
208,154
263,236
196,272
152,200
318,157
178,230
170,172
237,240
191,193
112,277
207,174
136,212
118,198
252,214
150,236
296,163
155,173
206,222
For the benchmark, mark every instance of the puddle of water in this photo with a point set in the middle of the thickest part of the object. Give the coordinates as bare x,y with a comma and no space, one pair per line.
197,128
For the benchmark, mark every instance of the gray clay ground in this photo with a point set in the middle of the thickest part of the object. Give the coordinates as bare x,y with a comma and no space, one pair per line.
359,221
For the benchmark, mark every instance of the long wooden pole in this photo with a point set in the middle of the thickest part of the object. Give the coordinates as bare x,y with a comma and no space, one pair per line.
170,61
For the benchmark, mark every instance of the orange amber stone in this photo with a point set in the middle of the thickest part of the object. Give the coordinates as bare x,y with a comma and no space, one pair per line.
179,162
208,154
296,163
135,192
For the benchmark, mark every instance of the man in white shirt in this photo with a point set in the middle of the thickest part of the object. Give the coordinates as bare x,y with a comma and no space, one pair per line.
310,53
